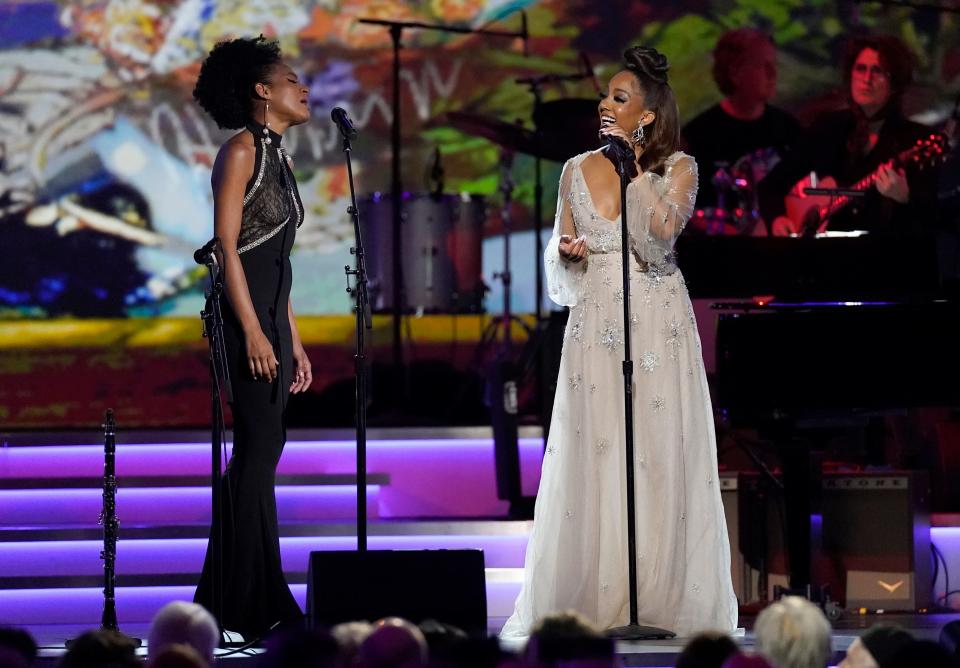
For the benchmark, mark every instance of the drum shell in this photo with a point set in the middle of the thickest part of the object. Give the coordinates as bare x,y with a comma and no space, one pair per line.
441,251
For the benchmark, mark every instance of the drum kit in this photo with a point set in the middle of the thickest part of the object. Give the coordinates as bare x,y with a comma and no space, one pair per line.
442,250
737,212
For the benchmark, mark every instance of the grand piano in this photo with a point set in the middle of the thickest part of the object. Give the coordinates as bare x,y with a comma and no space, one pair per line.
816,331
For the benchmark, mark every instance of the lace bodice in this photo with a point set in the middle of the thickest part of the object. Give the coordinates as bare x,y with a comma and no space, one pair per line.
658,207
271,197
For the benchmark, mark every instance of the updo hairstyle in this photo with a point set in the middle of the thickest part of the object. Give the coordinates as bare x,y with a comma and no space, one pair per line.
650,68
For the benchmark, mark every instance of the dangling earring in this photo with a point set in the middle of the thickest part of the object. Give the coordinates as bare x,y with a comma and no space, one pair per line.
639,137
266,123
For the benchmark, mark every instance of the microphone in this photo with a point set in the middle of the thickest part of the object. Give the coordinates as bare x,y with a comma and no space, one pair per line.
343,122
620,149
204,255
524,33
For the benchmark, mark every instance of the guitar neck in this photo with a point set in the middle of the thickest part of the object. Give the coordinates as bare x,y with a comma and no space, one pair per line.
842,201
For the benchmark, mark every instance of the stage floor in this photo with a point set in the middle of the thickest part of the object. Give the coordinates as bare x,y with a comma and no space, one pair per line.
51,638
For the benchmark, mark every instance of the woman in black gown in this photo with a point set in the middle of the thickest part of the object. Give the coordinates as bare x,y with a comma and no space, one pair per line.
244,83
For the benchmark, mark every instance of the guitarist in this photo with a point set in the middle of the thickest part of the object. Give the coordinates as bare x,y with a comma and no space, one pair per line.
862,139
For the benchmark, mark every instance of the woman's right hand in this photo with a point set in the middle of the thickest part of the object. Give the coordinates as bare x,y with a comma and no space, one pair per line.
260,356
572,250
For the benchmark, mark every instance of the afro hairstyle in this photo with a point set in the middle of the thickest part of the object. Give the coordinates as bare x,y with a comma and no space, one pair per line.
225,87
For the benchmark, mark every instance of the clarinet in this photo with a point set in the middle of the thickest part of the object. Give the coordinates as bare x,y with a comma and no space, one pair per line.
111,526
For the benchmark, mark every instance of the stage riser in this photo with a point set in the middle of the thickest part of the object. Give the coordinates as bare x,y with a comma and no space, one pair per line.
428,477
139,604
147,557
50,565
171,506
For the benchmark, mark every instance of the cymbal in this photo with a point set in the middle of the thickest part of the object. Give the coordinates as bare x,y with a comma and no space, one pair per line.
508,135
567,128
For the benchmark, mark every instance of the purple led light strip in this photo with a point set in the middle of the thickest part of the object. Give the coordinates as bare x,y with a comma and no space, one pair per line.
185,555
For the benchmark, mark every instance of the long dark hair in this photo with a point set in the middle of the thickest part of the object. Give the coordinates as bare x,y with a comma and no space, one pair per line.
650,67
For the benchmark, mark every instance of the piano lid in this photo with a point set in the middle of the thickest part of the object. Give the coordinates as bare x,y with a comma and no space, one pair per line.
798,360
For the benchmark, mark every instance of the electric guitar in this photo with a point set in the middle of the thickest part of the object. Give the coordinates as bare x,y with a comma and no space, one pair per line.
811,214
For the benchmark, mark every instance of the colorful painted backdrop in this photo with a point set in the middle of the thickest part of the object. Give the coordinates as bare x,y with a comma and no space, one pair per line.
105,158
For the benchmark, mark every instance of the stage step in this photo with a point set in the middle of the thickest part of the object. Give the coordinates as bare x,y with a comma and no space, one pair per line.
27,564
159,480
84,605
437,474
171,505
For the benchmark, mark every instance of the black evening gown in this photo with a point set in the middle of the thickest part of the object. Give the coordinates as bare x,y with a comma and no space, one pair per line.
255,592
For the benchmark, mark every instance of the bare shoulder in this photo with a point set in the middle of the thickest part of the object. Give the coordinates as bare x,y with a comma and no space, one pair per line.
592,160
236,157
238,149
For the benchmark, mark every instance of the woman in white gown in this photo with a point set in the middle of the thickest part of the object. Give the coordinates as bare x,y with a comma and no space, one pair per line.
577,554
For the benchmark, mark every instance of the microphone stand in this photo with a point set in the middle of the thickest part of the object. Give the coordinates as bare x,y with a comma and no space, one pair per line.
396,185
212,318
625,159
363,320
536,84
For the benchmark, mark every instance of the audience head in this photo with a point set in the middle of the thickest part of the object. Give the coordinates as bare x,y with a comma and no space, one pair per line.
569,638
101,649
349,637
185,623
393,643
445,643
923,654
177,655
302,648
11,658
877,647
793,633
743,660
17,647
707,650
745,65
950,637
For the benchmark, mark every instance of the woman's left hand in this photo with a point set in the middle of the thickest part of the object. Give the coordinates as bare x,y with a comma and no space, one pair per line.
892,183
302,373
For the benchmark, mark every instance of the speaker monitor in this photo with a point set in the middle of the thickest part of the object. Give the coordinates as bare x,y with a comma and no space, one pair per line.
448,586
876,538
872,545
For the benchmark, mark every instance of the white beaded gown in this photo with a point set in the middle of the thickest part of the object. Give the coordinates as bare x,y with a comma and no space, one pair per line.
577,554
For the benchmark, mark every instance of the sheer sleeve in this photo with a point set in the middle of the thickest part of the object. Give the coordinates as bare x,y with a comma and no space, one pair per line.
662,207
563,278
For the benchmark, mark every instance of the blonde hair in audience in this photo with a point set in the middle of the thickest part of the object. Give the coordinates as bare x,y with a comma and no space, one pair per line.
793,633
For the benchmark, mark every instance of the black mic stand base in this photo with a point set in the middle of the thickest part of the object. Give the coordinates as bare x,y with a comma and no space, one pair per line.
639,632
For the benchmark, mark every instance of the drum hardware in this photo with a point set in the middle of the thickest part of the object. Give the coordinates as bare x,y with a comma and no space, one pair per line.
737,212
562,129
396,29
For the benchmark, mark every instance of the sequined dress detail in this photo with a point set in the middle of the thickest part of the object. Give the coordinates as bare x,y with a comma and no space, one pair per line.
577,554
